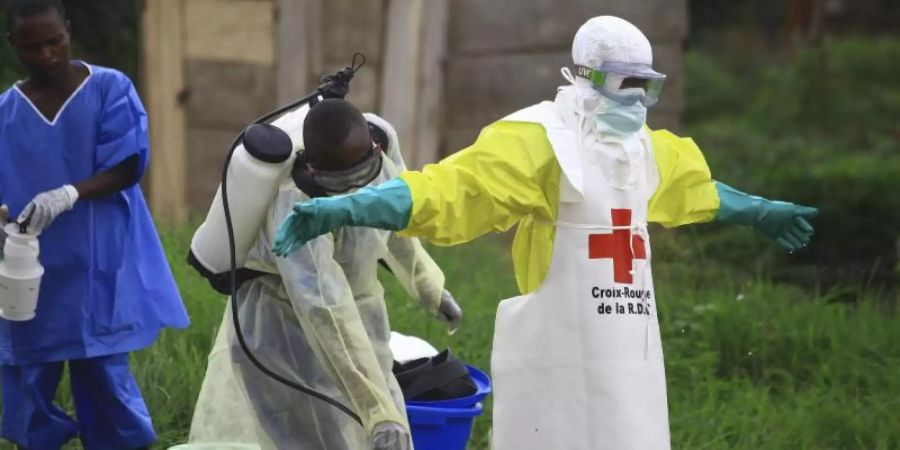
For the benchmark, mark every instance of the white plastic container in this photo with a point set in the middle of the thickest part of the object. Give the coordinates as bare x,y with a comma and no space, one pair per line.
407,348
20,275
253,178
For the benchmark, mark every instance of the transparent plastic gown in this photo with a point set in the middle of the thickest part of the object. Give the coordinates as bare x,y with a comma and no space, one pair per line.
319,319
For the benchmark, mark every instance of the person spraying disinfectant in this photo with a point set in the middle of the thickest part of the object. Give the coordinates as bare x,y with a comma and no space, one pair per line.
582,176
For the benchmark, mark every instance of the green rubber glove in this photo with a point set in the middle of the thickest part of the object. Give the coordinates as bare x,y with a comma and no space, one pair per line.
786,223
387,206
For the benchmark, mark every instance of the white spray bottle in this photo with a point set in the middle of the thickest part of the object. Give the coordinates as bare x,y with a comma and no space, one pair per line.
20,274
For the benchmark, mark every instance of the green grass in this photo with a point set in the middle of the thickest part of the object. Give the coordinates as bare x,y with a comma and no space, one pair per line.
751,364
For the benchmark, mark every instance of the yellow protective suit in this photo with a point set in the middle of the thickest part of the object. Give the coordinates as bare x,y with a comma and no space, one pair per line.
510,176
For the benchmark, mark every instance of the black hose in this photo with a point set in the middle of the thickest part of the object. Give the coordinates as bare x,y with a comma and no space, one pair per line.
342,77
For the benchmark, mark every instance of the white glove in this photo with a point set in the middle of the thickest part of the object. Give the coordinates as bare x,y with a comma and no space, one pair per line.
450,312
46,206
390,436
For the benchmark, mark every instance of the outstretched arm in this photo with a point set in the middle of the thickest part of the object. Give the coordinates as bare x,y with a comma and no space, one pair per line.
688,194
510,172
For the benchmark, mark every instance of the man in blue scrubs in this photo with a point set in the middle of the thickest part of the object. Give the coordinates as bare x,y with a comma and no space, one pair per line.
73,145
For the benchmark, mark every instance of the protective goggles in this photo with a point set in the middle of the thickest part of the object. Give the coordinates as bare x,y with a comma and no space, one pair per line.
358,175
626,83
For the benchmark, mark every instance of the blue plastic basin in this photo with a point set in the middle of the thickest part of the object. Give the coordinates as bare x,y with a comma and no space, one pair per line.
447,424
441,428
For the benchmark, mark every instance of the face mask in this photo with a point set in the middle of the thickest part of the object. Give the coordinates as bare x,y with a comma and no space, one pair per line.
340,181
609,116
621,120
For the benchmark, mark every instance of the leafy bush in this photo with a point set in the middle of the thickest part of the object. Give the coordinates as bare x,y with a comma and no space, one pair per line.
104,33
820,131
846,89
9,68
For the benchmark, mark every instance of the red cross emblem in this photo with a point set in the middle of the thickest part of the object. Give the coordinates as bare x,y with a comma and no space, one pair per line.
618,246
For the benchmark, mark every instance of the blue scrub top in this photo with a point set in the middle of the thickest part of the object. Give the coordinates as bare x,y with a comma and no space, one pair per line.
107,287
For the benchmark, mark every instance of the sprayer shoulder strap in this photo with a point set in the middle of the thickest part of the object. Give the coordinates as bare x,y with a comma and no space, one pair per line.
221,282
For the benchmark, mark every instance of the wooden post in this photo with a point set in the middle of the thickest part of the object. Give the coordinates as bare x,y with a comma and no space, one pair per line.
412,81
431,83
299,56
400,72
163,64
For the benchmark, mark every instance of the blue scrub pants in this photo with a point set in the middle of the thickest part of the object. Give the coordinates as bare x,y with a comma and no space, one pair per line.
111,412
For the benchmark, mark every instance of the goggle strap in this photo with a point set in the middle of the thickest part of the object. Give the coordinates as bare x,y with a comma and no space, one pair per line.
596,76
583,71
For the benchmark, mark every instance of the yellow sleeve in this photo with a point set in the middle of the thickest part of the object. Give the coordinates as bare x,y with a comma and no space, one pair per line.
509,173
686,192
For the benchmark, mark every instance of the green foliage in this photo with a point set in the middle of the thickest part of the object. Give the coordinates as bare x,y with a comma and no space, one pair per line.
846,89
860,214
106,33
103,33
821,131
9,67
712,90
759,365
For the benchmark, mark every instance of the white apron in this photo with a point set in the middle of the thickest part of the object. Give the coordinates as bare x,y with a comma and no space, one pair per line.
578,364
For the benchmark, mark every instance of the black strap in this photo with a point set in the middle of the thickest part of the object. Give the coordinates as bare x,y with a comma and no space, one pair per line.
304,181
221,282
379,136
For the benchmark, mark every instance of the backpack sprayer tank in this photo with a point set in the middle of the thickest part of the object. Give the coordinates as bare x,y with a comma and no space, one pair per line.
267,153
261,155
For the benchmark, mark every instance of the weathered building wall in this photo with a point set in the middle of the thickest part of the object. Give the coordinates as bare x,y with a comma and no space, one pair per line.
230,80
506,54
236,68
439,69
209,69
316,37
